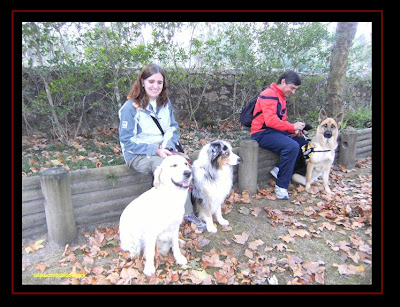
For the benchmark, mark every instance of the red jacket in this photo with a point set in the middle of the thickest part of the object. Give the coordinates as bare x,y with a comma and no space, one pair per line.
270,109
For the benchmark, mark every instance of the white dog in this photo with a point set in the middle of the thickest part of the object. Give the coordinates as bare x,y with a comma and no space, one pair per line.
154,217
212,181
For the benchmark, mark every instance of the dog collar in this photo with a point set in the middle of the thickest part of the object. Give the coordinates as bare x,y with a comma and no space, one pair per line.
308,150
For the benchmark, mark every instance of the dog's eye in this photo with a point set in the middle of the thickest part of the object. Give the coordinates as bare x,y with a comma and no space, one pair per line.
333,127
174,165
325,126
226,154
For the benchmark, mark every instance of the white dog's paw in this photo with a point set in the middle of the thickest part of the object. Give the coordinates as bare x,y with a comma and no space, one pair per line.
211,228
223,222
180,259
149,269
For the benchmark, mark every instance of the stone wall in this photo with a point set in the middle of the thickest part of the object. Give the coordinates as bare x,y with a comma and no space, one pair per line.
215,96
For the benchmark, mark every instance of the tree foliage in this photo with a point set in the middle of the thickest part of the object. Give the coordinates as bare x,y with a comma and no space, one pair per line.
75,72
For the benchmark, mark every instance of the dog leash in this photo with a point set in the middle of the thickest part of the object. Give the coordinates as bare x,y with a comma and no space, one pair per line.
182,155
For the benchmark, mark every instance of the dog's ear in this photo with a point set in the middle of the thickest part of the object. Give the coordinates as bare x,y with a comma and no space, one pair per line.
157,177
322,115
215,148
339,118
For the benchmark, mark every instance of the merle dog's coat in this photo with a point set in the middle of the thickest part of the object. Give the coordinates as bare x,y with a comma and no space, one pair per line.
212,181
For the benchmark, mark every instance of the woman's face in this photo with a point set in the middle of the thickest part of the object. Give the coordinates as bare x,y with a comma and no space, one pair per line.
153,85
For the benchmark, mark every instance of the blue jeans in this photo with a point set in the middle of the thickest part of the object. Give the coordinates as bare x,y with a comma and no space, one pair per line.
286,147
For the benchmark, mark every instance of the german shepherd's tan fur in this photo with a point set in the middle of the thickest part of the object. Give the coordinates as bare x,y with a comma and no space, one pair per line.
324,144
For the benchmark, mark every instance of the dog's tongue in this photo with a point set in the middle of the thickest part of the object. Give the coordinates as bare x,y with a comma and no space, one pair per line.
185,184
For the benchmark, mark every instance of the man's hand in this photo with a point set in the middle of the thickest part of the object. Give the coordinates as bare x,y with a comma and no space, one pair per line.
299,126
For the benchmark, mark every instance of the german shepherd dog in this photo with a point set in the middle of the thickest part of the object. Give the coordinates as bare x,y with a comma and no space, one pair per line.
322,147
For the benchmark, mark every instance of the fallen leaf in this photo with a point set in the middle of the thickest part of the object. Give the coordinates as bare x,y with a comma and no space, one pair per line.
299,232
220,278
280,247
255,211
254,244
41,267
320,277
212,260
226,242
245,197
113,277
244,210
197,276
227,228
354,257
87,260
297,270
129,273
268,249
312,266
241,239
328,226
287,239
344,246
34,246
70,258
349,269
248,254
56,162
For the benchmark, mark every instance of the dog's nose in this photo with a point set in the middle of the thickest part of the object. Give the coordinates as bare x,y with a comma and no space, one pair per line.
328,134
239,160
187,174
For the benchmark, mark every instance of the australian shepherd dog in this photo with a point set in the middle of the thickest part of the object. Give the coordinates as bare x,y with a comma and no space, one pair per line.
212,181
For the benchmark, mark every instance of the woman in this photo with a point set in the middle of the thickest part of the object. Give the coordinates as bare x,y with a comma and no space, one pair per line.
143,145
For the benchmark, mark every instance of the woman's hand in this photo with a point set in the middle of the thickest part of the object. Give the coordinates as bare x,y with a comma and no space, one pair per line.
163,152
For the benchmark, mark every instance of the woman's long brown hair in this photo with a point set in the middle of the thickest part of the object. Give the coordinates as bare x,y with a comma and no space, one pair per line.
138,92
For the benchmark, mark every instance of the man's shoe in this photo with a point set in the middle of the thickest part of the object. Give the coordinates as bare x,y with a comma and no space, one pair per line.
281,193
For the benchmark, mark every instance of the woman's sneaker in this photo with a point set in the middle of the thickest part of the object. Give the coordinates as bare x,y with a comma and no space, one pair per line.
274,172
281,193
191,218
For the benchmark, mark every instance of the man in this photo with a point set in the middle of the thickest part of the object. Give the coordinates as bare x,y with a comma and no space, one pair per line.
271,129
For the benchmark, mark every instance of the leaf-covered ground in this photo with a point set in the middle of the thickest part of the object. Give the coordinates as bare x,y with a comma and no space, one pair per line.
309,239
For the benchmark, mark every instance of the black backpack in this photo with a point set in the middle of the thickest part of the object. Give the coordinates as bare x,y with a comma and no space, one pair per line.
246,114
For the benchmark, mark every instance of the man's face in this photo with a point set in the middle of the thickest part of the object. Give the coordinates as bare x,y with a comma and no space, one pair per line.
288,89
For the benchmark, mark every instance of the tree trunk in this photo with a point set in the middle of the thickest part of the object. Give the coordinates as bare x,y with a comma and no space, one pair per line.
345,32
58,129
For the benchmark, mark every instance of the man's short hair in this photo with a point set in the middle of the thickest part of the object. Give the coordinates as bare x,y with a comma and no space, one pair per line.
290,77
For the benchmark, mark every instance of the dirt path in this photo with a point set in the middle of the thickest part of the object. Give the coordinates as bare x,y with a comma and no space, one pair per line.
309,239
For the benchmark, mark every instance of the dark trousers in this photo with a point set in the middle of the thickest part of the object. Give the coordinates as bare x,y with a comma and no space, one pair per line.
288,149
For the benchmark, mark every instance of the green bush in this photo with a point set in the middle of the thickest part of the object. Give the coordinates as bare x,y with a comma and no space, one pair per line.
359,119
